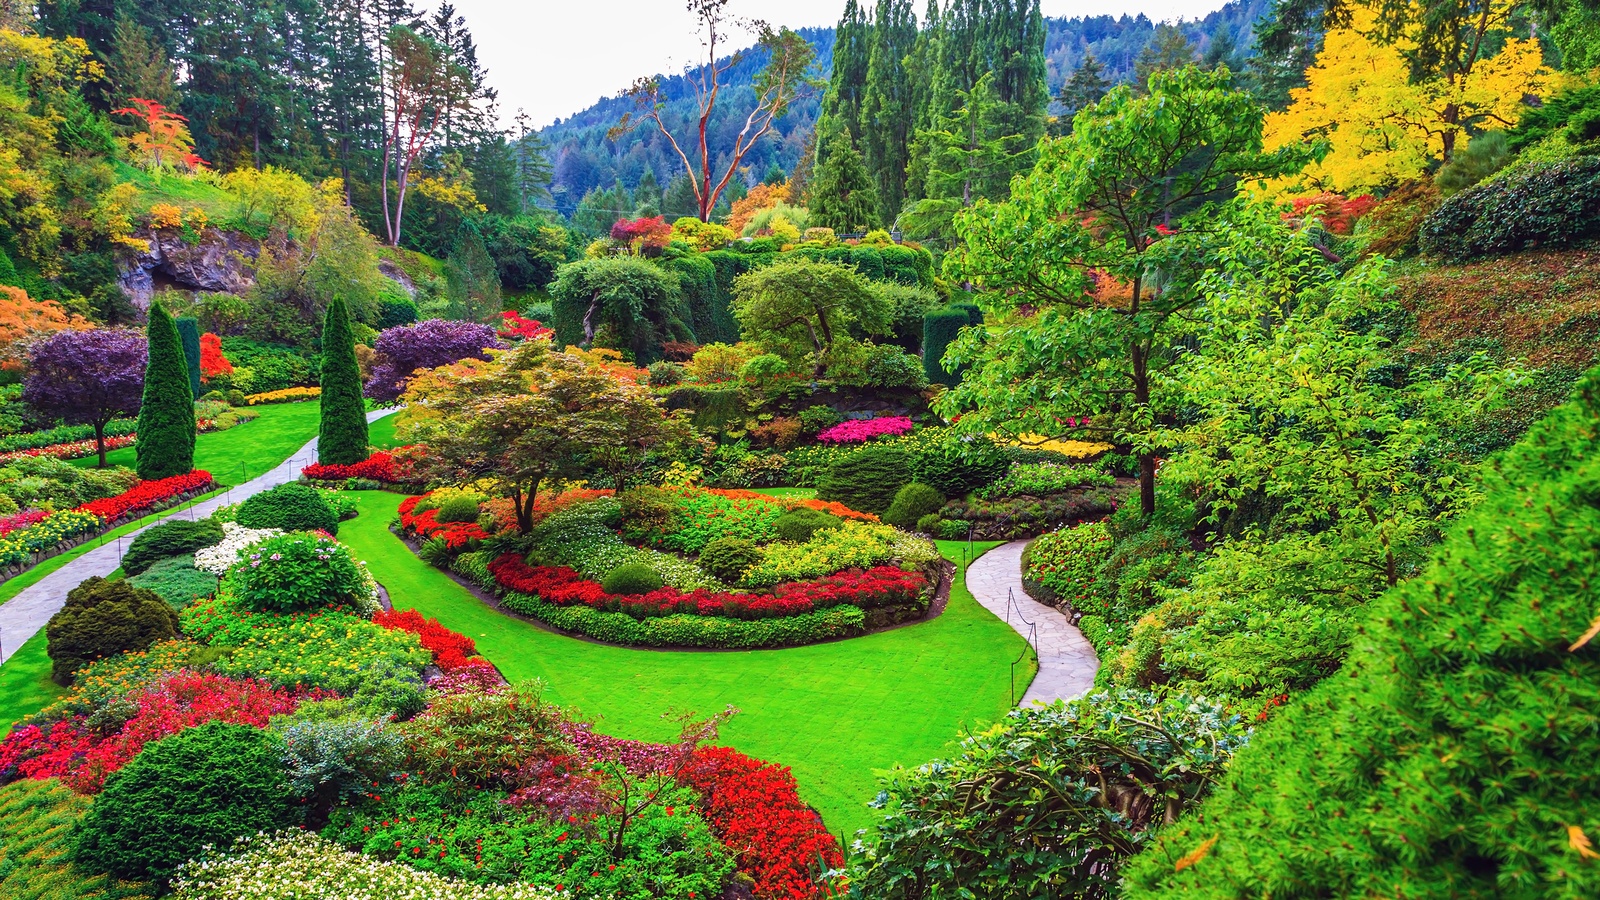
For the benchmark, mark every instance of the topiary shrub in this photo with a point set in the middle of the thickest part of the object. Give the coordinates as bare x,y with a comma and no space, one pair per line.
728,558
632,578
166,414
204,785
458,508
867,479
939,328
104,618
342,437
798,525
911,503
954,467
298,571
1536,205
173,538
290,507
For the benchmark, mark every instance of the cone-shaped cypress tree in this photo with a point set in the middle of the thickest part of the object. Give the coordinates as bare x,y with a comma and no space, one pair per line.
189,334
166,418
342,439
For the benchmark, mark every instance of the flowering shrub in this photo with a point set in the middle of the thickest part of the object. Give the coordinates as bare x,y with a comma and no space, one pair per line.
514,327
476,674
298,865
20,547
99,685
857,431
285,395
579,537
425,524
147,495
702,516
213,363
450,649
1065,562
72,449
22,520
320,650
297,571
236,538
380,466
1037,479
851,545
870,589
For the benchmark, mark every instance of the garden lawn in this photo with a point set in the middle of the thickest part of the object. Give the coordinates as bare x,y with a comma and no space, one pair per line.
836,713
243,451
380,434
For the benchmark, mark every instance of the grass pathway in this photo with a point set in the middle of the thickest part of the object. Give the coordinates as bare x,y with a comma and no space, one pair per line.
836,713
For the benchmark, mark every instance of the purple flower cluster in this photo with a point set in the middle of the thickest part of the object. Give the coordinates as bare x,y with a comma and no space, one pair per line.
856,431
425,345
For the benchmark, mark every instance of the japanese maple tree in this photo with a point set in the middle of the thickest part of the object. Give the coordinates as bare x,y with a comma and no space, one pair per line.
87,377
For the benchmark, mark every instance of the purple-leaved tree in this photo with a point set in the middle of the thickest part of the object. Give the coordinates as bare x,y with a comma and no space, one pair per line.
87,377
425,345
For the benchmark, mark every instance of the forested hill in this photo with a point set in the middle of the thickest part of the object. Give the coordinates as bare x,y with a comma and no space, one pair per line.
584,158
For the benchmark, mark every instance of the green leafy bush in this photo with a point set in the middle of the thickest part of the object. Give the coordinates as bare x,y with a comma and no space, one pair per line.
929,524
1453,756
665,374
177,581
1066,564
911,503
332,759
954,529
727,559
954,466
1067,790
39,817
104,618
632,578
333,651
819,417
205,785
290,507
169,539
297,571
481,737
680,630
867,479
1538,204
799,525
1039,479
939,328
459,508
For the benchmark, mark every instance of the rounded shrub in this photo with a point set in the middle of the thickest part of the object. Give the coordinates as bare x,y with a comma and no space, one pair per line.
173,538
458,508
297,571
798,525
290,507
867,479
929,524
104,618
204,785
632,578
911,503
728,558
954,467
1540,204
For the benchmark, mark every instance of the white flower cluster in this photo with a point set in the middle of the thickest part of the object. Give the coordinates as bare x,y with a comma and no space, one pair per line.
236,539
298,865
368,603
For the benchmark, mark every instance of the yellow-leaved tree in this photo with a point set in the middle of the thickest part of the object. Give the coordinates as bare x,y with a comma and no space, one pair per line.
1385,119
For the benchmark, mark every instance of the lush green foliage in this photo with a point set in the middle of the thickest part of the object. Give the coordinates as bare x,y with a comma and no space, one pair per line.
177,581
911,503
290,507
691,631
166,415
940,327
729,558
867,479
205,785
1539,204
626,303
1038,479
1065,563
631,578
166,539
104,618
483,737
342,439
38,817
800,525
297,571
1047,802
1478,672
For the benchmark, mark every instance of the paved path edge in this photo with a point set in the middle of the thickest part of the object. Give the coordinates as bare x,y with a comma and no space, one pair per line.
1067,661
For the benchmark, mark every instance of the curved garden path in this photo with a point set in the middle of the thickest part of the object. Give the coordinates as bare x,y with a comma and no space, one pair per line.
30,610
1067,662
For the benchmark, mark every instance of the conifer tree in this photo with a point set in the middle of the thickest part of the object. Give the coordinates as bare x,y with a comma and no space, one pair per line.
189,335
842,194
342,438
886,112
852,50
647,196
1085,88
166,416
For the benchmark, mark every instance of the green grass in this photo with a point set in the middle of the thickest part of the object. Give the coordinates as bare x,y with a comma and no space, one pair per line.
220,207
380,434
243,451
802,493
37,818
836,713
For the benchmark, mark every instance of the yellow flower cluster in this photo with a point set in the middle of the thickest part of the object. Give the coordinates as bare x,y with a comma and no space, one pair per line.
287,395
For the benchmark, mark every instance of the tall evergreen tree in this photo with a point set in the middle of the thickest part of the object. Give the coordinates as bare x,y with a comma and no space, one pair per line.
647,196
189,336
852,52
342,437
1168,49
886,111
534,170
842,193
166,416
1085,88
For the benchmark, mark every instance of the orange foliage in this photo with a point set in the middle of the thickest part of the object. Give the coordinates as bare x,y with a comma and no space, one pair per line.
22,318
212,362
762,196
1338,213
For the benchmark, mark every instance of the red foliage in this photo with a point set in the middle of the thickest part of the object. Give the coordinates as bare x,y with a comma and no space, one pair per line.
514,326
450,649
146,495
754,807
650,233
880,586
380,466
456,535
212,362
679,351
1338,213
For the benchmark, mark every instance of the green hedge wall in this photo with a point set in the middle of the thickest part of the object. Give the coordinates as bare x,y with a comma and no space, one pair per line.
939,328
681,630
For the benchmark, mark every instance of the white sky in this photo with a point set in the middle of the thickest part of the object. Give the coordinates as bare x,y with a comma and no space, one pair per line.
556,57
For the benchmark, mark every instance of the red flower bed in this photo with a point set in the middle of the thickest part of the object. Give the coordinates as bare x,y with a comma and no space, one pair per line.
146,495
450,649
381,466
456,535
71,449
755,809
24,519
71,751
876,587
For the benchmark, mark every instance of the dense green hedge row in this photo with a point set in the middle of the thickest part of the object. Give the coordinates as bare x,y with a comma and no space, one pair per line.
1537,205
711,632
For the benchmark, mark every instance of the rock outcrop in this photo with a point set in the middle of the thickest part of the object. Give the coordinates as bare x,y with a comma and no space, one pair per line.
219,262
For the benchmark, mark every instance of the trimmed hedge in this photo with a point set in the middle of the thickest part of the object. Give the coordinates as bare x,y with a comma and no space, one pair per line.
868,479
1537,205
290,507
342,434
169,539
632,578
939,328
911,503
709,632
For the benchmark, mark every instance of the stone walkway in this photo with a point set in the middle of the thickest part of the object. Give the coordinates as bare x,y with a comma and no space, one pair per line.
30,610
1067,662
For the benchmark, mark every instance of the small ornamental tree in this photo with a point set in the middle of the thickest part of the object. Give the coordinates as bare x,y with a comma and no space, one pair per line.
801,305
189,335
425,345
166,417
342,439
87,377
213,364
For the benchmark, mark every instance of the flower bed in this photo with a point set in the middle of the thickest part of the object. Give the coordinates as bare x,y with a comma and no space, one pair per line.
147,495
63,434
285,395
451,650
456,535
24,536
71,449
692,631
381,466
857,431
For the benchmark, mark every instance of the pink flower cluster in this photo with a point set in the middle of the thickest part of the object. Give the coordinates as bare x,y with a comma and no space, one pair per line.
17,521
857,431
